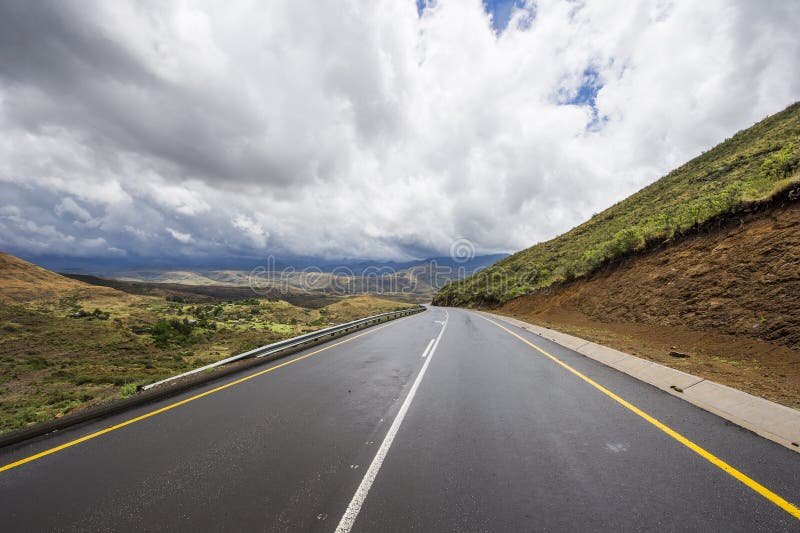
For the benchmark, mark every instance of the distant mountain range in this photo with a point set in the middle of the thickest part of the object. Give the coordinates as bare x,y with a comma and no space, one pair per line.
413,281
111,267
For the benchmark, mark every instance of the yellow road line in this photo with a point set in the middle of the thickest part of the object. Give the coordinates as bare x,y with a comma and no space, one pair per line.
109,429
708,456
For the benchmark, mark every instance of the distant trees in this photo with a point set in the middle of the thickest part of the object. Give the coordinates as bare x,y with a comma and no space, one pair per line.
172,332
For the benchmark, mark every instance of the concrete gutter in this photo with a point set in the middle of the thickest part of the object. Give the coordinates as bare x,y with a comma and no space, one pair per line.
773,421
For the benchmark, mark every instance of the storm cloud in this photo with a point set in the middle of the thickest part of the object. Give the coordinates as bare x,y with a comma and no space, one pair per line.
383,129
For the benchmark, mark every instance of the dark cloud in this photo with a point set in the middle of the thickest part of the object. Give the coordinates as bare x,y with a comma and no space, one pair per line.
56,47
220,129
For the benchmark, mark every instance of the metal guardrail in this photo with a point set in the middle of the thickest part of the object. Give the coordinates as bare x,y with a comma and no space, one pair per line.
279,346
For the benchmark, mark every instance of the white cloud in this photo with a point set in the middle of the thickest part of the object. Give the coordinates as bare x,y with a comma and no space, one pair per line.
361,129
184,238
68,206
252,230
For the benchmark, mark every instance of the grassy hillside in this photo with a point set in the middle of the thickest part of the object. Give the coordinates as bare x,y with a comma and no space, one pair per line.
65,344
185,277
753,165
178,292
21,281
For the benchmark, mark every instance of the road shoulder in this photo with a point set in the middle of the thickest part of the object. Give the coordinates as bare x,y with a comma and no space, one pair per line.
773,421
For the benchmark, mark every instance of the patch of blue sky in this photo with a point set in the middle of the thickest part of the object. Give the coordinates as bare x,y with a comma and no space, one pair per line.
587,91
501,12
585,95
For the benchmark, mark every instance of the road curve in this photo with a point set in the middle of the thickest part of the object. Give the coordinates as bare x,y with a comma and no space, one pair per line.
442,421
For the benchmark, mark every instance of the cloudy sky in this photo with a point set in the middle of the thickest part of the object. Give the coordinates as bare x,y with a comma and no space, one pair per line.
351,128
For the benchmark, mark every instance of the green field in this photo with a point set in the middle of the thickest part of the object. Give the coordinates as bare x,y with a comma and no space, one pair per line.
62,354
754,165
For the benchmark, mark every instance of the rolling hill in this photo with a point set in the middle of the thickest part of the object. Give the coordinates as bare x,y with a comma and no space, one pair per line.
753,166
21,281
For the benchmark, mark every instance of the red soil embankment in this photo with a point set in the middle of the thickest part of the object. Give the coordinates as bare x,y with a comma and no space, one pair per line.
728,297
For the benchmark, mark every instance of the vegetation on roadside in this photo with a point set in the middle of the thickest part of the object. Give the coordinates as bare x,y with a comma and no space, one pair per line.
753,166
91,344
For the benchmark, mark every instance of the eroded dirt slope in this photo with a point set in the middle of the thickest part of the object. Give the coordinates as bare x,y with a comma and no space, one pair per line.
729,298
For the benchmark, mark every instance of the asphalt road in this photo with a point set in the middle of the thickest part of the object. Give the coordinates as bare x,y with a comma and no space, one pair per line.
483,433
